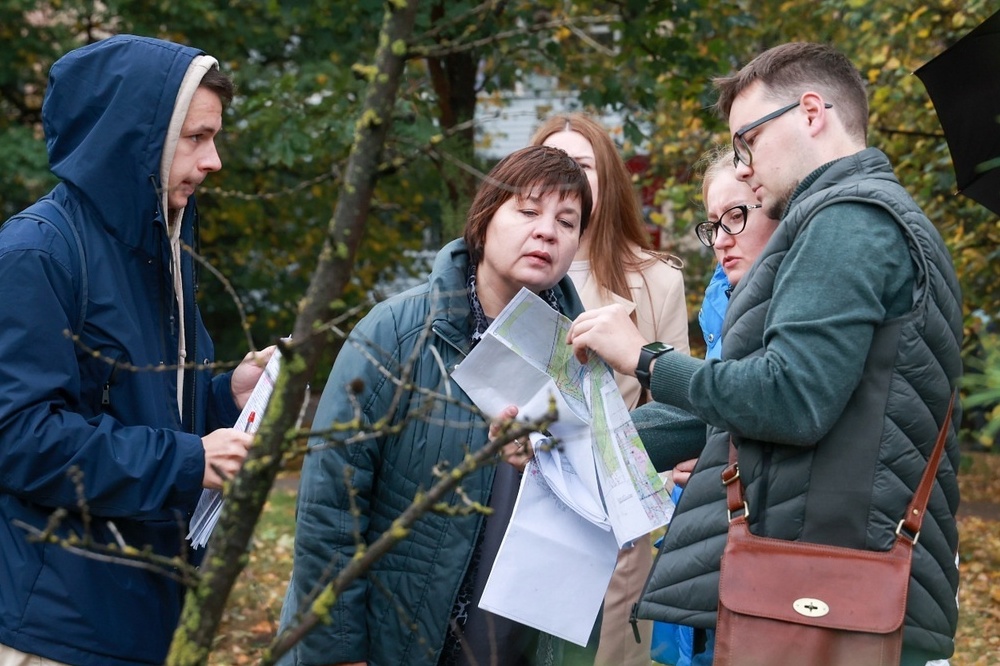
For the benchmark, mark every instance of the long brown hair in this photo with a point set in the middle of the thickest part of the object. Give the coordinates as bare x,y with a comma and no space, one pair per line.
616,224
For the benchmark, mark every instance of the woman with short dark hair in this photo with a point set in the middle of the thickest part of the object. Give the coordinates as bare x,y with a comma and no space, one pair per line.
418,605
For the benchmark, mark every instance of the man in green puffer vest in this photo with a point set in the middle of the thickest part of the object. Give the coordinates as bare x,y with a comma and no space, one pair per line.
842,351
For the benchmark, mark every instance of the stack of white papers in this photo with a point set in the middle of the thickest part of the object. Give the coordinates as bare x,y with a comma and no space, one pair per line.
578,503
555,464
206,514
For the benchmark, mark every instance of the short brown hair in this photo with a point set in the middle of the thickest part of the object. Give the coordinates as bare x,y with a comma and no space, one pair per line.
788,70
532,170
220,84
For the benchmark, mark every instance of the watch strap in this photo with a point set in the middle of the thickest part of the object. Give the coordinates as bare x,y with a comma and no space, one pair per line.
646,356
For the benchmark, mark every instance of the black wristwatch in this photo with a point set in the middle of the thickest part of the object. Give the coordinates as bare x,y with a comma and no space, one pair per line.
646,356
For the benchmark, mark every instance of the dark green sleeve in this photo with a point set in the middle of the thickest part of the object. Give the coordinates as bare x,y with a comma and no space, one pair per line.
669,434
848,270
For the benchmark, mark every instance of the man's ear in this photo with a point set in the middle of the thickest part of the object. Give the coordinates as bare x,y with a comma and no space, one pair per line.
815,108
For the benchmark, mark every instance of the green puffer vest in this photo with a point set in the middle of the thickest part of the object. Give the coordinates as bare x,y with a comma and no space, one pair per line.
852,487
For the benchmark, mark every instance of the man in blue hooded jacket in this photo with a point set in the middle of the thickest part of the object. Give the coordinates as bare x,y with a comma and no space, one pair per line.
108,414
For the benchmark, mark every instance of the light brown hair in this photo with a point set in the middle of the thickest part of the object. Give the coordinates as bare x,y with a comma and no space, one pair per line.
789,70
618,224
713,163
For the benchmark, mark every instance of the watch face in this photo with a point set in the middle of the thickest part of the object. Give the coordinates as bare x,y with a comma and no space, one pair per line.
657,347
646,356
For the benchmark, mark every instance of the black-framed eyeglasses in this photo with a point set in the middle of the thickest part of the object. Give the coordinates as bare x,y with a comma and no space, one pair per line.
733,221
741,149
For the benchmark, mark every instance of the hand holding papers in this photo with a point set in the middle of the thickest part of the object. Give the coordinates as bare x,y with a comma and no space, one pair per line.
580,501
206,514
523,360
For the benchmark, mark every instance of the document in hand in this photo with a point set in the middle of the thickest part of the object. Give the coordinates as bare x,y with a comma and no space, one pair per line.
553,567
558,554
206,514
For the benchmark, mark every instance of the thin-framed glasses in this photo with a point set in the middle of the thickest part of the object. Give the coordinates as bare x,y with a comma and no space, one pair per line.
733,221
741,149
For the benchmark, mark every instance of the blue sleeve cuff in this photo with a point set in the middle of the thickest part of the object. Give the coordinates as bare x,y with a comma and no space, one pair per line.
223,412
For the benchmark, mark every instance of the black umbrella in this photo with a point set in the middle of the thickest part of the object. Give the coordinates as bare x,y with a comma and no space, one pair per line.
964,84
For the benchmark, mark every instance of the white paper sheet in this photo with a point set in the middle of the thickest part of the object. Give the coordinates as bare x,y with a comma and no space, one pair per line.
558,554
523,360
558,464
206,514
553,567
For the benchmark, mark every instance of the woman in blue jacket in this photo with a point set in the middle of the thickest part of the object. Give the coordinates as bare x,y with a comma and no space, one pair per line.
418,604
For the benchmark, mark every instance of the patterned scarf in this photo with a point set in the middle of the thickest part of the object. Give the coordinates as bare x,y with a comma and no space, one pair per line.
481,320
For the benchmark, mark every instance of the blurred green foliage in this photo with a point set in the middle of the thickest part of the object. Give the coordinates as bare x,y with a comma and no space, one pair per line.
300,66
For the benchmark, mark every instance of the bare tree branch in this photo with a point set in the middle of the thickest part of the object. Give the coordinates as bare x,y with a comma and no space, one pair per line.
459,47
228,286
459,19
248,493
176,568
319,607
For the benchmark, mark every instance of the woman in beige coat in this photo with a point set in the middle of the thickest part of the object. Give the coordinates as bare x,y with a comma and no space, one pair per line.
616,263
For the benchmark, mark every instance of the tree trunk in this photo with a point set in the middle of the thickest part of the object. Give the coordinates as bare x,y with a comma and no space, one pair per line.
245,499
453,77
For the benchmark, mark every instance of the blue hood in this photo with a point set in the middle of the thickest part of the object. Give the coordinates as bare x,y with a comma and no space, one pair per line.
97,141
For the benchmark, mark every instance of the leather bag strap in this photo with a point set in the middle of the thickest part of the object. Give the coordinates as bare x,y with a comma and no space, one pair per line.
915,512
914,517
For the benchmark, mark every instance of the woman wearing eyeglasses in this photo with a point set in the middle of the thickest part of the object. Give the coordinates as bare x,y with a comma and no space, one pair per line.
737,229
729,206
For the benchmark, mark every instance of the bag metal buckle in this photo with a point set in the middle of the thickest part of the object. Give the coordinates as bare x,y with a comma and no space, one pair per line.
731,474
746,511
904,535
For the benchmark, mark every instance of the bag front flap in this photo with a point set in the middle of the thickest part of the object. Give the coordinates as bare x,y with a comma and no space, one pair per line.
813,584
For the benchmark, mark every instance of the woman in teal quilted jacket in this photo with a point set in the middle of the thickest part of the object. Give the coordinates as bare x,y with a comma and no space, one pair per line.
418,604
